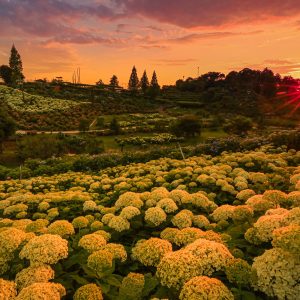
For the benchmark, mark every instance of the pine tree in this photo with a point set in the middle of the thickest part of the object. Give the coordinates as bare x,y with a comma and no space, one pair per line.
15,63
114,82
144,82
154,82
154,89
133,80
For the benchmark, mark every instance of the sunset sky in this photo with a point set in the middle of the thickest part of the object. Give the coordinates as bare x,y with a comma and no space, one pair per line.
174,37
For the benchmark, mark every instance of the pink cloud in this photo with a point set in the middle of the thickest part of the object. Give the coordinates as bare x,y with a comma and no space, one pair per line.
196,13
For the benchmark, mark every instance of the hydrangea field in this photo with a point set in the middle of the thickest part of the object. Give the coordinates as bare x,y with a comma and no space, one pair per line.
224,227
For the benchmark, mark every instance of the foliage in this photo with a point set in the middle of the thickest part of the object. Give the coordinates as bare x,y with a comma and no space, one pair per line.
90,236
188,125
239,125
15,63
6,74
144,82
84,125
7,127
46,146
114,82
163,138
133,83
114,126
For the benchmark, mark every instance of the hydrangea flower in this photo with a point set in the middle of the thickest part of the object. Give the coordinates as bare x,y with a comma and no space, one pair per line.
129,199
238,272
276,273
8,290
33,274
183,219
149,252
130,212
287,238
223,213
80,222
45,290
92,242
10,240
100,261
168,205
89,291
45,249
203,287
62,228
175,268
38,225
132,286
119,224
169,234
117,250
155,216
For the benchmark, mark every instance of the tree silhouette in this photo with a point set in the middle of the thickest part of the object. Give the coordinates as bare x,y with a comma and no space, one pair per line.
144,82
100,83
154,82
154,86
6,74
15,63
133,83
114,82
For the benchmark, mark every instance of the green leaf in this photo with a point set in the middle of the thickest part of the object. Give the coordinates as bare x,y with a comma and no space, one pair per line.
88,271
75,259
113,280
150,284
105,287
245,295
79,279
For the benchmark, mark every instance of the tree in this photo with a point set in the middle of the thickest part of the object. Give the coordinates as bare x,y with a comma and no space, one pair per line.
114,82
154,86
133,83
7,128
84,125
15,63
144,82
239,125
100,83
154,81
188,125
114,126
6,74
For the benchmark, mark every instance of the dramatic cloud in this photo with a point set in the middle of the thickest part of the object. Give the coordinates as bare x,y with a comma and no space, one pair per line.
281,66
49,17
196,13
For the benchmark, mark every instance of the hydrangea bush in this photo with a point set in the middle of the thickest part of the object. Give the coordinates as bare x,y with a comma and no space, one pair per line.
223,227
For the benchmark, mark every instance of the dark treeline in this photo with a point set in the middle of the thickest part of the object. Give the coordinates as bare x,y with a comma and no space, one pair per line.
263,82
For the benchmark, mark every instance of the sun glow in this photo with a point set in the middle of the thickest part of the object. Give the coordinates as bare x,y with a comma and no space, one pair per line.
290,95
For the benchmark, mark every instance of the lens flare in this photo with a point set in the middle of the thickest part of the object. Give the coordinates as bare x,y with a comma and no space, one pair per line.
291,97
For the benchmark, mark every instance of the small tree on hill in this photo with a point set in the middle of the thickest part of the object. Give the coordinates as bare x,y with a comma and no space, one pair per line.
15,63
7,128
84,125
144,82
187,126
114,126
239,125
114,82
100,83
6,74
133,83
